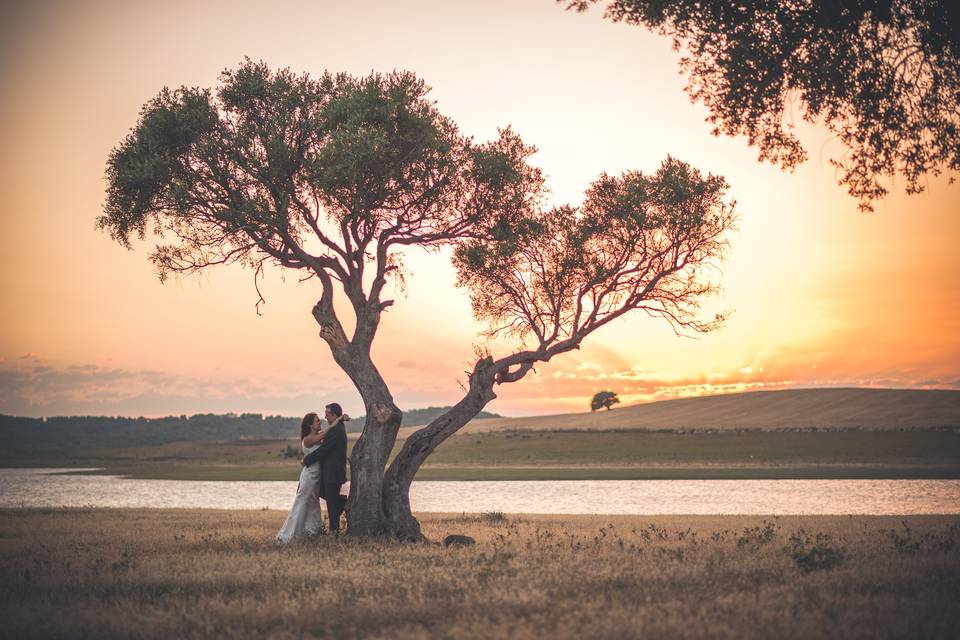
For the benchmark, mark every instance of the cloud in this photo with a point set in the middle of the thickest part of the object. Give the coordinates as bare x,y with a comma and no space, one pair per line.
567,383
33,388
30,386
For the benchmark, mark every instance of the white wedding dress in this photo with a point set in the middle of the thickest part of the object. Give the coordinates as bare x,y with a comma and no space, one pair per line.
304,519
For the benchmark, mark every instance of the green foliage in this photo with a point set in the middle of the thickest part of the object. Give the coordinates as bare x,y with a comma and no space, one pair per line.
603,400
638,242
882,75
247,173
142,168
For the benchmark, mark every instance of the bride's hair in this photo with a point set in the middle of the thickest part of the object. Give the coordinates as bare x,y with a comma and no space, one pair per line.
306,424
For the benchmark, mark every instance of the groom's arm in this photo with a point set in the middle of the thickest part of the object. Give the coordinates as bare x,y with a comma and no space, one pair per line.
325,447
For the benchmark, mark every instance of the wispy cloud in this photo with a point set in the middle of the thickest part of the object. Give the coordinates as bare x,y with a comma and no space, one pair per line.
33,387
567,384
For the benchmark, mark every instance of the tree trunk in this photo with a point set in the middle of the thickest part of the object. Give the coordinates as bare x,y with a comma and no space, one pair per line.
364,511
365,516
396,483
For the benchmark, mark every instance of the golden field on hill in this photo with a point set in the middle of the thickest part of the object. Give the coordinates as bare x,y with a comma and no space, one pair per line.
788,409
202,573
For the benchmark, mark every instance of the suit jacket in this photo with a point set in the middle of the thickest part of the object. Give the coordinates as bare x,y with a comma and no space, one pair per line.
331,455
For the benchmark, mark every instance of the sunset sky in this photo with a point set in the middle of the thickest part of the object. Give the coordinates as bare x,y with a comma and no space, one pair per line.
820,293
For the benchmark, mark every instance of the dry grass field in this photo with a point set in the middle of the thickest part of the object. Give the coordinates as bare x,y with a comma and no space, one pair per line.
207,573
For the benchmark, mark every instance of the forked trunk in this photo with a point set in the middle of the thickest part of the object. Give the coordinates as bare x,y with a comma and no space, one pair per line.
379,501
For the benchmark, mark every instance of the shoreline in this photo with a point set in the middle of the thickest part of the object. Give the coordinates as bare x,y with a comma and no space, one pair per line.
552,473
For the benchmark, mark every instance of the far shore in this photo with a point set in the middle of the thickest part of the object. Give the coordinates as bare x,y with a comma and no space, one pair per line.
557,455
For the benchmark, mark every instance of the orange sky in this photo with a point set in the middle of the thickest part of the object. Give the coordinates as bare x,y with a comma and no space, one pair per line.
821,294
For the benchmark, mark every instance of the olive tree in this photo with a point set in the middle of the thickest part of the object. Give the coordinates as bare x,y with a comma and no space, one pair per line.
603,400
333,177
881,75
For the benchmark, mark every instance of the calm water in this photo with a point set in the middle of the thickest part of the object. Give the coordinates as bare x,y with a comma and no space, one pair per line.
48,488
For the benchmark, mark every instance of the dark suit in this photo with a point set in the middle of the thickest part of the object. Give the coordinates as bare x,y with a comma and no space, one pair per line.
331,455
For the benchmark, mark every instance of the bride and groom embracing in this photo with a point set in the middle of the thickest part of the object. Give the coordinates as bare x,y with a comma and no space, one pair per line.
324,472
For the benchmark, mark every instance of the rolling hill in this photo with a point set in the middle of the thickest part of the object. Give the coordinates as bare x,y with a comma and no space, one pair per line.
829,408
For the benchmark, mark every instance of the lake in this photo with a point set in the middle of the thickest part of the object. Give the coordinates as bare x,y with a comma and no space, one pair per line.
51,488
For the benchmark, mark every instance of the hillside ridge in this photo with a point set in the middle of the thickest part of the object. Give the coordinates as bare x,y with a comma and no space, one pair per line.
820,408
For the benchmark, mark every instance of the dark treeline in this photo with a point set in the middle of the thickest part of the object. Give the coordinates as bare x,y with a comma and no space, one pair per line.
91,432
414,417
95,432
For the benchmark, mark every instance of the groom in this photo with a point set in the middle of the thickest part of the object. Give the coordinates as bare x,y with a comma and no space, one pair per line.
331,455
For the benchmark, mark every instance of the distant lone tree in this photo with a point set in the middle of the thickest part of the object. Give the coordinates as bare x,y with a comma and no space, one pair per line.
334,177
603,400
883,75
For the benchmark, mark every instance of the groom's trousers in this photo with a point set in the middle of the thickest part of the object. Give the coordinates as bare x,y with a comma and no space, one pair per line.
330,492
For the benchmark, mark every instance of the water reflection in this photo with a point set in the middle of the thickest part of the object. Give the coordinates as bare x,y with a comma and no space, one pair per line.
47,488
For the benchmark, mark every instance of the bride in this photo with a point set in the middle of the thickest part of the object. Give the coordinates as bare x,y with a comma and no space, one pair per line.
304,517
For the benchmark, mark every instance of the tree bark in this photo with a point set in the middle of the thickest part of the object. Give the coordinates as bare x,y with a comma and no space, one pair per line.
365,514
399,518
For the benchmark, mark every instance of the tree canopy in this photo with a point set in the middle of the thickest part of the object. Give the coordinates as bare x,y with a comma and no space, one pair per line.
638,241
319,175
603,400
882,75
